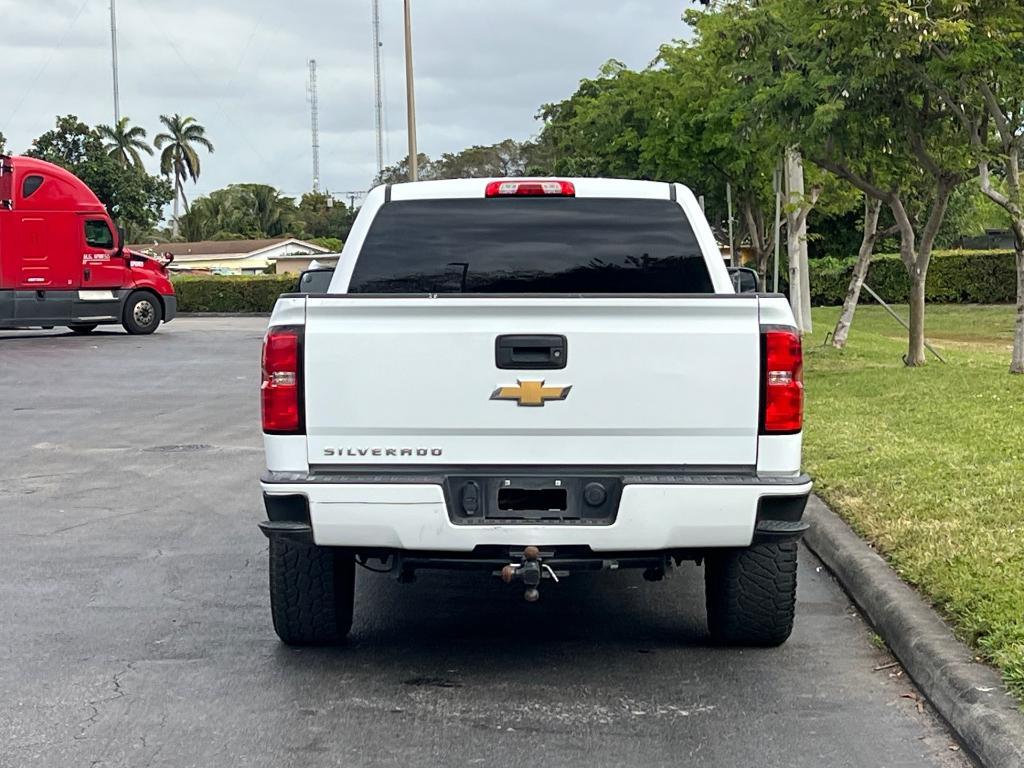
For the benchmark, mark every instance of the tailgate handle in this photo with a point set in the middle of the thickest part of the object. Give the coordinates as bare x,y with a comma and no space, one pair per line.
531,353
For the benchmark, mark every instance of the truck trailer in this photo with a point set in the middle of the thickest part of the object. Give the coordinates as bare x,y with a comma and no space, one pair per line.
64,263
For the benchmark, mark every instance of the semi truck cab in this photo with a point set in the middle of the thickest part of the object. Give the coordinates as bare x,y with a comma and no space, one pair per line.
63,262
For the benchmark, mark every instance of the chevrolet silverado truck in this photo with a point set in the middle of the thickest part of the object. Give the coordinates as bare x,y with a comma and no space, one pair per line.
536,379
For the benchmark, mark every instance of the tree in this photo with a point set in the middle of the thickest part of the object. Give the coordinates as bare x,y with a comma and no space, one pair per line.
981,82
179,157
506,158
3,143
124,143
398,173
134,198
854,91
247,211
319,215
600,129
872,210
271,212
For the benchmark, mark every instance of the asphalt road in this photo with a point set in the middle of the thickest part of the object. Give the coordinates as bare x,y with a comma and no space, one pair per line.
135,627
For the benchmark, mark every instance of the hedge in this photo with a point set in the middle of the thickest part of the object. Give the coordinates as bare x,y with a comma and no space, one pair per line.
231,294
968,277
971,277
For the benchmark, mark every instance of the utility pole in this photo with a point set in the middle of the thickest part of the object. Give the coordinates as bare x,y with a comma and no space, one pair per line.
113,51
777,188
378,103
733,261
410,96
314,115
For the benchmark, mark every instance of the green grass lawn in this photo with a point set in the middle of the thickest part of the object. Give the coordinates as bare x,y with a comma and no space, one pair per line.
928,463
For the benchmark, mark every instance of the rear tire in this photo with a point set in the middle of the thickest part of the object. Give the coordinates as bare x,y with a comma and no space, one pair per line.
83,328
751,594
312,590
142,313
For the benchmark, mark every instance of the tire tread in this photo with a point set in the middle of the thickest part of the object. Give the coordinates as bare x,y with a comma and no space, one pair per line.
311,592
751,594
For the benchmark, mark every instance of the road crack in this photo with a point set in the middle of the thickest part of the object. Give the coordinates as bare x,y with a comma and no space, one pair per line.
96,704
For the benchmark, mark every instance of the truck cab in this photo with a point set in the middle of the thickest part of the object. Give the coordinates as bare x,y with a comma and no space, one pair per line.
63,261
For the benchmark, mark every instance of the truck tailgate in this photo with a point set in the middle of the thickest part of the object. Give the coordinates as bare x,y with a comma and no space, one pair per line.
655,381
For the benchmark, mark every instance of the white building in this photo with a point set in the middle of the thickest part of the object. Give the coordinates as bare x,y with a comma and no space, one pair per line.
239,257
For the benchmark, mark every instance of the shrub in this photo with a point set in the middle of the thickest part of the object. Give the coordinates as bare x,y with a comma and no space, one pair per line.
231,294
968,277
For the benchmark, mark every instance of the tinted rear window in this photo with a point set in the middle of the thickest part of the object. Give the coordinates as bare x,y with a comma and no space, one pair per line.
531,245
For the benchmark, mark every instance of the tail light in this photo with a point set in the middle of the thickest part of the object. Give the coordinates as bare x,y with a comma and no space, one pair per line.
282,381
531,188
782,403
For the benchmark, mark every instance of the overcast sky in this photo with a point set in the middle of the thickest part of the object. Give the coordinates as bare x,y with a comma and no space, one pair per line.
483,67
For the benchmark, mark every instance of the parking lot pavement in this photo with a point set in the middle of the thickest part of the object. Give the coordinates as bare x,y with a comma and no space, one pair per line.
135,627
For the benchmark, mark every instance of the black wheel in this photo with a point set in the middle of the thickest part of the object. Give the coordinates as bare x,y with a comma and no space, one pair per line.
83,327
142,313
751,594
311,592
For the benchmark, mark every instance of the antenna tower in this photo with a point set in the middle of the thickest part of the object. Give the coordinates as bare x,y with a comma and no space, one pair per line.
314,112
378,101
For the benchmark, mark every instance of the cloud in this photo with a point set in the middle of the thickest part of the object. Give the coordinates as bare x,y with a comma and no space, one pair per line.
483,68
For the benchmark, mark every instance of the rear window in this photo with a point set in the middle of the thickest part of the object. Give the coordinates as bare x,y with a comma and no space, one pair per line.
531,245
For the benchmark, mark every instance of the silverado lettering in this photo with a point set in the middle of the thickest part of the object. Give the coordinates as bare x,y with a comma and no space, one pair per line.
383,451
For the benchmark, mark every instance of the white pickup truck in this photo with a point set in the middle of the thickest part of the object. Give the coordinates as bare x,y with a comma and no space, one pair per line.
536,378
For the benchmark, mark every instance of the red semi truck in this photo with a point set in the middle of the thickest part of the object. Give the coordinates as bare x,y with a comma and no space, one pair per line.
63,262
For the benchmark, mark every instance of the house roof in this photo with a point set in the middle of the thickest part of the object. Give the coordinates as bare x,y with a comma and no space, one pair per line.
225,249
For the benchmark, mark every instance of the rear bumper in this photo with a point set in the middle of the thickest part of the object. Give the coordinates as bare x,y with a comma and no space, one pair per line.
695,513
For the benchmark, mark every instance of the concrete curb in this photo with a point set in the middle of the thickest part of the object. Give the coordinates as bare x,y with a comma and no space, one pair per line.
969,695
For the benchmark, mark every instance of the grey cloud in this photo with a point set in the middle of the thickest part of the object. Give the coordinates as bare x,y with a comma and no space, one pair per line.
239,66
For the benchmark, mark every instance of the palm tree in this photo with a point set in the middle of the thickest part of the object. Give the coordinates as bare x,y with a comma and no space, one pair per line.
123,143
179,157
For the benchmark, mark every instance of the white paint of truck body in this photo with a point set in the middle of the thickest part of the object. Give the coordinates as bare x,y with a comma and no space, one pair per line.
657,381
654,381
650,517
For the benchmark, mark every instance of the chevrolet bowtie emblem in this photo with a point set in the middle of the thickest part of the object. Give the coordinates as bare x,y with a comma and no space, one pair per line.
532,393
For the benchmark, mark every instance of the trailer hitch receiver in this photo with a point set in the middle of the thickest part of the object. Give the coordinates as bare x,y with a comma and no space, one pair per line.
530,571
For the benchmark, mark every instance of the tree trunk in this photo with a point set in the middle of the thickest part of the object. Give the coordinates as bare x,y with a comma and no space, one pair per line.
918,270
755,230
795,234
1010,201
915,349
1017,361
174,221
872,209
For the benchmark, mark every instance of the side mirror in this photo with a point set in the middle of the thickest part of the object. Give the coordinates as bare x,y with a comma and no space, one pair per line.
120,242
744,279
315,280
